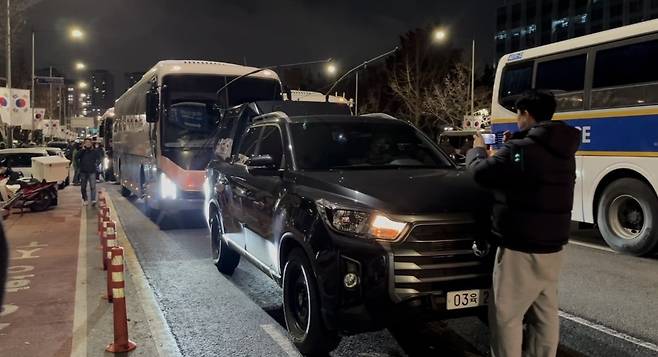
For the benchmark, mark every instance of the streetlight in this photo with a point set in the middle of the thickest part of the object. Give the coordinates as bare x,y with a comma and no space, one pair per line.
76,33
82,84
331,69
440,35
80,66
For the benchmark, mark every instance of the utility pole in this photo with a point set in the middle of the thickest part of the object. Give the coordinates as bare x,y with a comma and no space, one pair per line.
356,95
473,80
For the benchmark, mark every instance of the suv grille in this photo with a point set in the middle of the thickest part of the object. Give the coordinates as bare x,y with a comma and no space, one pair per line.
434,257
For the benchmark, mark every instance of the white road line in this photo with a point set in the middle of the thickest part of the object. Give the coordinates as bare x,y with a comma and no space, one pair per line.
79,343
280,340
593,246
608,331
165,342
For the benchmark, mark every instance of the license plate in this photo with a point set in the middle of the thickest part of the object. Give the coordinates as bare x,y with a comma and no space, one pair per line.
467,298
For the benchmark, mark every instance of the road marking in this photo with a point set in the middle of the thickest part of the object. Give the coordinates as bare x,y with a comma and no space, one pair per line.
165,342
79,343
608,331
593,246
280,339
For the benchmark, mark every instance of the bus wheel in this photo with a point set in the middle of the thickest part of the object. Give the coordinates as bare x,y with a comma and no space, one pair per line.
627,217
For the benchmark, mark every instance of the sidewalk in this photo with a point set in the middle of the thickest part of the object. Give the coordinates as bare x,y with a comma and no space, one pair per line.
54,304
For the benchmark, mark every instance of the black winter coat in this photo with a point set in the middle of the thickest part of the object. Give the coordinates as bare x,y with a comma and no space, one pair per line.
532,178
87,160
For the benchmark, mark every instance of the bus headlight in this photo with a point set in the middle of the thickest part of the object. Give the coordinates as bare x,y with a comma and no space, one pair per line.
106,163
168,187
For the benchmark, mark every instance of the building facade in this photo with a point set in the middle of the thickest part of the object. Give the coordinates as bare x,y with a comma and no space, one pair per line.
101,92
522,24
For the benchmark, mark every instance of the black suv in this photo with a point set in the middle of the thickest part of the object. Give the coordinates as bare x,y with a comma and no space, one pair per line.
363,221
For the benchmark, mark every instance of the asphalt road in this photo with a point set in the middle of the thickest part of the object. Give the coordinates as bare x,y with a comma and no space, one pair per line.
606,298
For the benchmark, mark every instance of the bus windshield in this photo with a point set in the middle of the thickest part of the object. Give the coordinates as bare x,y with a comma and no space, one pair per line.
191,114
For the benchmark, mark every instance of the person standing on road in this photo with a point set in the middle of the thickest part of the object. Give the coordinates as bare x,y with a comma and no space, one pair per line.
76,169
532,178
87,160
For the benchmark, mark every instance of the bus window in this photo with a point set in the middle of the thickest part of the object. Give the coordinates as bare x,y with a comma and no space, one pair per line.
516,80
626,76
565,77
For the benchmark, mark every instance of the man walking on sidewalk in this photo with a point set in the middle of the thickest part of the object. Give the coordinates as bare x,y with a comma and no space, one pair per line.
532,177
87,160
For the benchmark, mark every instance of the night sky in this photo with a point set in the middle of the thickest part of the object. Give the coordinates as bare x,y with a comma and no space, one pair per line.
132,35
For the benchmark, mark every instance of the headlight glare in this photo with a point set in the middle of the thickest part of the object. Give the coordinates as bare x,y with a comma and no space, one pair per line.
168,189
383,227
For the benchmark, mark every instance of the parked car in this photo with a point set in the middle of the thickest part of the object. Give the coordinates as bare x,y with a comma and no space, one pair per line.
363,221
20,160
63,145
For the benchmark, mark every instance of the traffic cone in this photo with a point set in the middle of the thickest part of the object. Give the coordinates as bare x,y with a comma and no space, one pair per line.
103,216
121,342
110,242
107,230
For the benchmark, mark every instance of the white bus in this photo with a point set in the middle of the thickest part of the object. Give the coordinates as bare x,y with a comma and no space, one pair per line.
164,126
606,85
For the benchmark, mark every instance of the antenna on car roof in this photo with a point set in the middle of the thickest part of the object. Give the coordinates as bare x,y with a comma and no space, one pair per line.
361,66
269,68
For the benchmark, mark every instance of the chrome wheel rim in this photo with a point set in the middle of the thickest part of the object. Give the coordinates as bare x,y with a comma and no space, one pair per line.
626,217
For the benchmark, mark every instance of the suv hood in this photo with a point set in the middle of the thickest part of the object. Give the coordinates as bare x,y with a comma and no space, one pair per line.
406,192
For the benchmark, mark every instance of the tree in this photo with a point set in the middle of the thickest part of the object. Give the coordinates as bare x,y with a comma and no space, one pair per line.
19,9
415,69
449,100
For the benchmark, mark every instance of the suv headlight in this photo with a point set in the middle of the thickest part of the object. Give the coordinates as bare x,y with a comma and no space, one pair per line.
168,188
360,223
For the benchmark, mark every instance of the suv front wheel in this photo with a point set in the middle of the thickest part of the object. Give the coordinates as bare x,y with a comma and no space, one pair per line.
224,258
301,308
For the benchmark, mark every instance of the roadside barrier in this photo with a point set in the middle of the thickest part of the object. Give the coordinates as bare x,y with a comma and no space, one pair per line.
111,243
107,231
103,215
121,342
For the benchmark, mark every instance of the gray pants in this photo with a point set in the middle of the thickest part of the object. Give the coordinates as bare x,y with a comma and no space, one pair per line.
91,178
525,286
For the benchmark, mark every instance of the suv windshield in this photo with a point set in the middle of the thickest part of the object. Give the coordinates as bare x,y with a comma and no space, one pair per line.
191,119
363,146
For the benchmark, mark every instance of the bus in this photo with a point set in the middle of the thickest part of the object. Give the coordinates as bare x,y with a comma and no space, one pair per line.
606,85
164,127
105,138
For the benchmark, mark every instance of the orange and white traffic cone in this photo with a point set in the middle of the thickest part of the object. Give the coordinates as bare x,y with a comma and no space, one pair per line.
103,215
110,242
121,342
107,230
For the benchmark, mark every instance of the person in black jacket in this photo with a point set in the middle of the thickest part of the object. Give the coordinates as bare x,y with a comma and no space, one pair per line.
87,160
532,178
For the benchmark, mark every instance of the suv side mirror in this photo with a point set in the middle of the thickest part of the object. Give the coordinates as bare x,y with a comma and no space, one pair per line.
152,105
262,165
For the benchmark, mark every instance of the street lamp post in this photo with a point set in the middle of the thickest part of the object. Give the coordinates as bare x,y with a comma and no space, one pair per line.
473,79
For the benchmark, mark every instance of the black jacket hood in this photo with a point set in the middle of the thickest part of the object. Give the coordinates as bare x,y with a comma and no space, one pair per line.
557,137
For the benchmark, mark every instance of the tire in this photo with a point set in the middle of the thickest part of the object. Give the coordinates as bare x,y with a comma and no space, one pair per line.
224,258
125,192
43,203
301,308
627,217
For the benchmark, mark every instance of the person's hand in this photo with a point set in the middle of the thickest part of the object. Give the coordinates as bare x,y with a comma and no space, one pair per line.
507,136
478,141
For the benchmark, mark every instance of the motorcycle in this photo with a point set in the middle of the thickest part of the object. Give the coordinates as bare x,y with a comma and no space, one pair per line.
17,192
